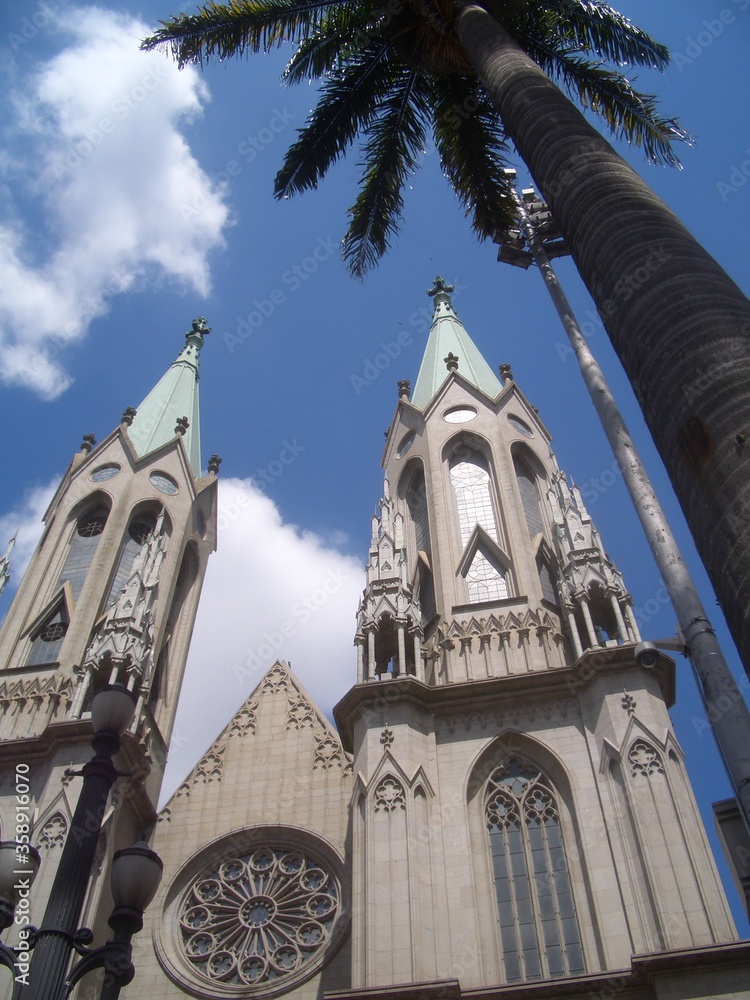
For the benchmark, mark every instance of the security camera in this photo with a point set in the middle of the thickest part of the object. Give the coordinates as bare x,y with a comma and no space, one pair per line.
646,654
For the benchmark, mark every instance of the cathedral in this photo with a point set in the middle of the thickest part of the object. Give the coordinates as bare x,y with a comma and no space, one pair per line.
499,808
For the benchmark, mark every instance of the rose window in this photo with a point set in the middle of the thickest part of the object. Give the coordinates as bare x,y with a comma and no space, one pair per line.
258,916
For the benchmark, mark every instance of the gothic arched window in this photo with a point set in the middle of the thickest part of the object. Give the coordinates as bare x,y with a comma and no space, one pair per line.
485,577
416,501
83,545
471,481
47,640
536,912
140,527
529,497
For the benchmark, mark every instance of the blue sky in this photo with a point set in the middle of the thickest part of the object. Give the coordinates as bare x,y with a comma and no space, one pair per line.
134,198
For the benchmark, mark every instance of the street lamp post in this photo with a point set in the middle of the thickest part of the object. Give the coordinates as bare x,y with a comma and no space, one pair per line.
725,706
136,874
112,711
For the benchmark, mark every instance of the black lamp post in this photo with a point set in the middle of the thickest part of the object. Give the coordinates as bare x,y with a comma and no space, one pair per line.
112,710
135,877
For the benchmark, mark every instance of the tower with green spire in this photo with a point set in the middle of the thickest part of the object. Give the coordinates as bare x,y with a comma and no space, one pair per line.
110,595
520,812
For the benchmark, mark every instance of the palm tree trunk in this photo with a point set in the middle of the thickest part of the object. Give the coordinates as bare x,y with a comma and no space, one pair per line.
678,323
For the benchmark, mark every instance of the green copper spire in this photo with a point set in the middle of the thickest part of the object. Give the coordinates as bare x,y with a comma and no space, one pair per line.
172,405
449,347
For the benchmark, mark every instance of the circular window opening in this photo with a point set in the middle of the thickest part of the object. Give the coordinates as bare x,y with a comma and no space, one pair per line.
164,483
459,414
406,443
259,916
103,473
93,525
520,426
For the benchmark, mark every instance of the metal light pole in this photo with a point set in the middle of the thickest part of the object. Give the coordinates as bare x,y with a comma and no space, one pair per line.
725,706
112,710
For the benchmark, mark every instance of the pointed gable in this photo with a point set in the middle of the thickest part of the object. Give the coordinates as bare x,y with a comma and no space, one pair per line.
278,760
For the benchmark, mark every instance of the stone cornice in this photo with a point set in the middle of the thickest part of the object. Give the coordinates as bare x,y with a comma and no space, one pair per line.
536,686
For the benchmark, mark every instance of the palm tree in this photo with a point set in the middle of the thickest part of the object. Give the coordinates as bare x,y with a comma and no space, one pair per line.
480,74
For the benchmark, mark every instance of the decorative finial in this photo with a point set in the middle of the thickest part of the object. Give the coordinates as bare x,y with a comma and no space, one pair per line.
199,327
506,373
88,442
213,465
451,362
128,415
182,425
387,737
5,565
404,388
440,287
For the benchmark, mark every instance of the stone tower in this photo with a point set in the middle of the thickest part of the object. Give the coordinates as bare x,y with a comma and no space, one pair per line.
503,808
520,808
110,595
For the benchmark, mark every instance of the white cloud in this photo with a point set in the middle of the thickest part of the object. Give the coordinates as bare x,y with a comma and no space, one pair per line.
25,522
271,592
95,138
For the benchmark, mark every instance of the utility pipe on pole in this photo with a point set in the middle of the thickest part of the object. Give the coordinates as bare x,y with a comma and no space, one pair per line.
725,706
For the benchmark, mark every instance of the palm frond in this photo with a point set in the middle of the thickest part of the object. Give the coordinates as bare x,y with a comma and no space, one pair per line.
346,104
629,114
471,143
593,26
396,141
342,33
220,30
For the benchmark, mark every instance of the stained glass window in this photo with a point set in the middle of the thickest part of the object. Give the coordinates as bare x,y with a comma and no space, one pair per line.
485,578
536,912
83,545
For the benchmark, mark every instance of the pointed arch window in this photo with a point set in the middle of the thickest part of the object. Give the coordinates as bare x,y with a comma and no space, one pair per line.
527,487
47,640
471,482
549,591
83,545
416,501
539,931
485,578
140,527
470,476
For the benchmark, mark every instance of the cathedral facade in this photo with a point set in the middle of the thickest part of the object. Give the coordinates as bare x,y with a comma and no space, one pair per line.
500,807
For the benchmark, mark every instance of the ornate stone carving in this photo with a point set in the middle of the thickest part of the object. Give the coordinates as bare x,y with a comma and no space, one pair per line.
53,832
211,766
254,918
645,759
389,795
328,752
276,679
244,722
300,715
125,637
